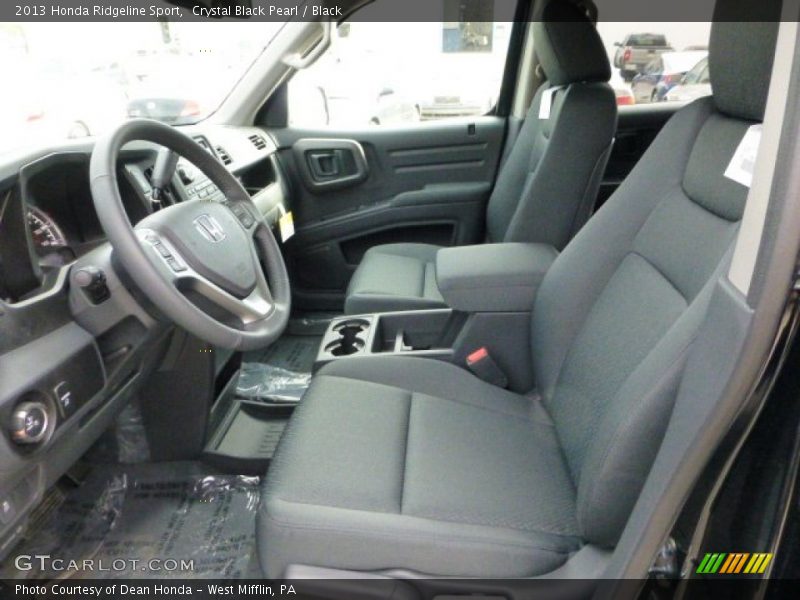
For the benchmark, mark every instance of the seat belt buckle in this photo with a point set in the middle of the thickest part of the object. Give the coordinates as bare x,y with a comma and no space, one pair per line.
481,363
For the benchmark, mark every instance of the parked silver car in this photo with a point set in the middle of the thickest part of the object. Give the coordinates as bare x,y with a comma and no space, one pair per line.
695,84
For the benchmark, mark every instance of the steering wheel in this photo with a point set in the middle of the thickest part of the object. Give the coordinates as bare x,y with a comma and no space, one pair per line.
211,252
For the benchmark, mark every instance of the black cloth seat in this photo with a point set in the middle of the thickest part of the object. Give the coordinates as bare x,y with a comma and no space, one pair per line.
373,457
546,189
401,463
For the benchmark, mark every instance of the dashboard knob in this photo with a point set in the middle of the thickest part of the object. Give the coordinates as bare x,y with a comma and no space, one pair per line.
29,422
93,282
87,276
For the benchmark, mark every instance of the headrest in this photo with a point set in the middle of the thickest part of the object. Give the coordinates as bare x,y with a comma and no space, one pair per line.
740,56
568,45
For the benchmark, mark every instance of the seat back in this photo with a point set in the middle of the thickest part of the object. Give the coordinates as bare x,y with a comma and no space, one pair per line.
547,187
619,308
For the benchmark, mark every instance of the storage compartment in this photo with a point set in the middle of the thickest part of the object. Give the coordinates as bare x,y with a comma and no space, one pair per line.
258,176
412,331
247,435
422,333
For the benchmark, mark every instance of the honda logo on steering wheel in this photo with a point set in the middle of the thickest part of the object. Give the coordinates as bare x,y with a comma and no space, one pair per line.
209,228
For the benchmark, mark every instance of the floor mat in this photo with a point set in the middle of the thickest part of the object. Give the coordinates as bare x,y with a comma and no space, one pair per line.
152,512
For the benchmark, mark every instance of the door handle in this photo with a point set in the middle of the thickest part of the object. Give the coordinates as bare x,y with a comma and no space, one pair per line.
328,164
324,164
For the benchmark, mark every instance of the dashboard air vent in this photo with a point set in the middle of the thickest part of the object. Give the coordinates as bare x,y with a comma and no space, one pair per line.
202,142
223,155
258,141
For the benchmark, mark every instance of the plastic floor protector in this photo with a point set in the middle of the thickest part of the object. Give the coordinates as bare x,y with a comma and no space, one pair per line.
191,523
282,372
291,352
267,383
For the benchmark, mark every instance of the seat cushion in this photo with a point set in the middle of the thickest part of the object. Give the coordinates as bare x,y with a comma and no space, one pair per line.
395,277
416,464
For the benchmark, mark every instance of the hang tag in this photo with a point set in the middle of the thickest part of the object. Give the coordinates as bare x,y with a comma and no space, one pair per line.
286,226
743,163
546,105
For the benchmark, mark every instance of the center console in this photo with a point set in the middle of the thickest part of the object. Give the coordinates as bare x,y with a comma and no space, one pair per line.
426,333
490,290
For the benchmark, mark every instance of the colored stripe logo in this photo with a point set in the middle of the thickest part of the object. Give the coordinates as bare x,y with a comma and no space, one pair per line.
734,563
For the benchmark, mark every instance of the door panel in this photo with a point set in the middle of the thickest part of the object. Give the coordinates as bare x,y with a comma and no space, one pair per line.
351,190
637,127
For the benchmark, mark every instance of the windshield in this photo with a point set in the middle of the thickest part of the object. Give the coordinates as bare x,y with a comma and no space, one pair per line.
78,80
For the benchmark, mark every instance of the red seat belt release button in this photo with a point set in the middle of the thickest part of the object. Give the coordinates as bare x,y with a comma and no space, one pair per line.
480,362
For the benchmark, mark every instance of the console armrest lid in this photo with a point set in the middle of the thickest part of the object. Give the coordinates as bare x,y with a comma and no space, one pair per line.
492,277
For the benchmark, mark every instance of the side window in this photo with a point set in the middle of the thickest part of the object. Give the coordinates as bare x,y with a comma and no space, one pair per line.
669,54
380,73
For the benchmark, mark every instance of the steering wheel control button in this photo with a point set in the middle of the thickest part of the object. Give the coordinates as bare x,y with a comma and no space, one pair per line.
29,422
176,265
64,397
173,262
244,216
93,283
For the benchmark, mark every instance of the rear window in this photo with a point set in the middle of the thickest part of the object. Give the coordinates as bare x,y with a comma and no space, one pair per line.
647,39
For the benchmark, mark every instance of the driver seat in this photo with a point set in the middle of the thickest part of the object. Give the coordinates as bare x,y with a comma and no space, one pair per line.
415,464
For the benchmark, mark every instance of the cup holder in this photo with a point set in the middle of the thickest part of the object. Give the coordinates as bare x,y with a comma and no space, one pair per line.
355,326
345,347
348,341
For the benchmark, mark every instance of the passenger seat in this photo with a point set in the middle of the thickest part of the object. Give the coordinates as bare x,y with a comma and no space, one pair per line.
546,189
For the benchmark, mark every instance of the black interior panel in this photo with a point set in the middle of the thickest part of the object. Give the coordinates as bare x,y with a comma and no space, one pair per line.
440,234
427,183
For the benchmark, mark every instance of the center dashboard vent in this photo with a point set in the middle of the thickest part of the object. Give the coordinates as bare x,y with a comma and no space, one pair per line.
203,142
258,141
223,155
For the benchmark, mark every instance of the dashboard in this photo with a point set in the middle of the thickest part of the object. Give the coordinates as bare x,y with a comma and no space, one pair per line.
70,358
58,209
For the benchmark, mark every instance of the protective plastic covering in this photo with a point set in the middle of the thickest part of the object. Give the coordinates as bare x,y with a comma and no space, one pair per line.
266,383
292,352
310,324
156,520
132,446
282,372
